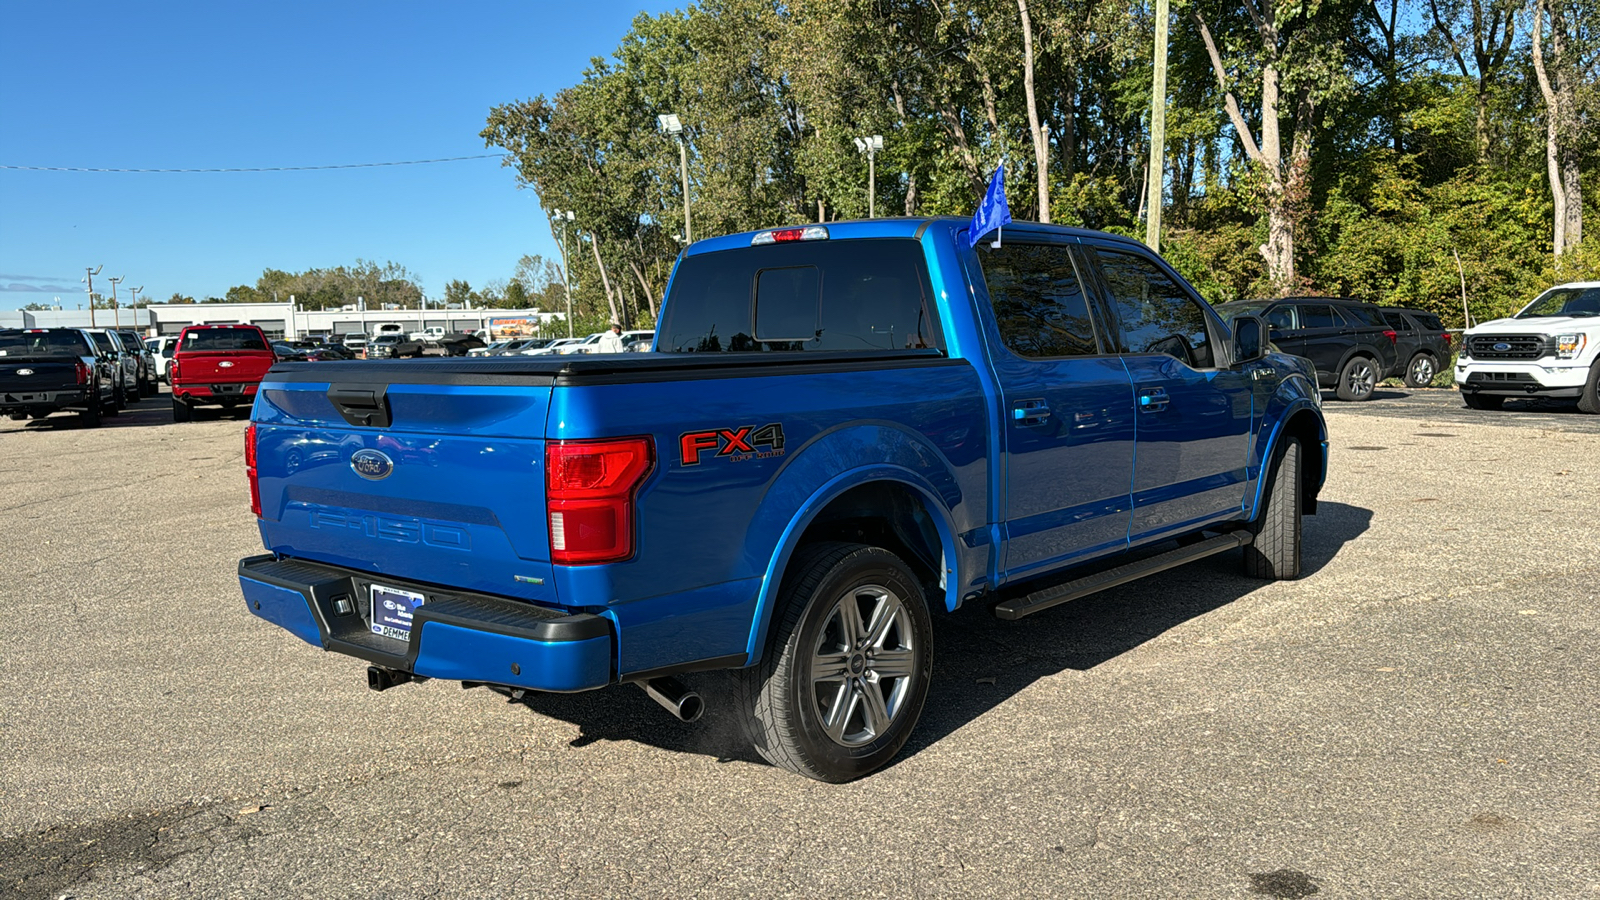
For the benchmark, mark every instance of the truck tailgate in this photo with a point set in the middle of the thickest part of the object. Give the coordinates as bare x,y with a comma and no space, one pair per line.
223,367
439,483
43,374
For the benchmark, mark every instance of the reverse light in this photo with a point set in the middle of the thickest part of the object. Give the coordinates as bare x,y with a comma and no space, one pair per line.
590,492
784,235
1570,346
250,469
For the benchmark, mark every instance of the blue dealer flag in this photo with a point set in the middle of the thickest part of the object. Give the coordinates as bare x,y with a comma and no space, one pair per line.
992,212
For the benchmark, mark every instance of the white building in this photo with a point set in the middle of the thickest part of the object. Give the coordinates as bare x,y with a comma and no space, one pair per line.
288,321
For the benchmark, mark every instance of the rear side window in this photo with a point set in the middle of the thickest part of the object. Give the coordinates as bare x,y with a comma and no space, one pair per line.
103,341
43,343
211,339
1428,321
801,296
1365,315
1038,300
1319,315
1154,313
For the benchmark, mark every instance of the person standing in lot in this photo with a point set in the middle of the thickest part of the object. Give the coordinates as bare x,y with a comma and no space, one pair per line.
611,341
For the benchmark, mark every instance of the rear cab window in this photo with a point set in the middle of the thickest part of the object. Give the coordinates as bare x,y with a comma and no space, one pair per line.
846,295
211,340
54,342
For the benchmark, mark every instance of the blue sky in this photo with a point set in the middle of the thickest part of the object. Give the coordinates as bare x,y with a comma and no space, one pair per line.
224,85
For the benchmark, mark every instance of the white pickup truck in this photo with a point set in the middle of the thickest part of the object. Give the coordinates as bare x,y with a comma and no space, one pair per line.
1549,349
427,334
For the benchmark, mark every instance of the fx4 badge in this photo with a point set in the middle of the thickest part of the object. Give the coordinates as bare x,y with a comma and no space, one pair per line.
736,444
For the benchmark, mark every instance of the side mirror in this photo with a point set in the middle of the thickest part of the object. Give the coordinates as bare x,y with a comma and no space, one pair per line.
1247,338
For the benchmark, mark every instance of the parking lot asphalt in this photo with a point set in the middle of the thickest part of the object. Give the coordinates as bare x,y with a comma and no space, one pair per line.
1415,717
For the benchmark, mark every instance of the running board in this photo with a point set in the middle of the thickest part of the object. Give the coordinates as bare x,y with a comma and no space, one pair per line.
1110,578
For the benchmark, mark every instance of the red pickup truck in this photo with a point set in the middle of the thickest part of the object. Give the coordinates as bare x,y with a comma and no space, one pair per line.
217,364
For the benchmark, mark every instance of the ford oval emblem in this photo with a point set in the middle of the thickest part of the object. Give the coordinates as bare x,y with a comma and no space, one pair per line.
1502,347
373,465
225,364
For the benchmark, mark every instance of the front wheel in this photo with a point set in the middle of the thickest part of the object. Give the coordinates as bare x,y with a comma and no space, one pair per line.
1275,552
847,670
1589,400
1421,370
1357,380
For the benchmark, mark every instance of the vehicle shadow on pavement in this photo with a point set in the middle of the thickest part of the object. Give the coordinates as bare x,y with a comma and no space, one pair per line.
979,661
147,411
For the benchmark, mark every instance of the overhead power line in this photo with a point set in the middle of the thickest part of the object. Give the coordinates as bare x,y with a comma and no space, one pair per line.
374,165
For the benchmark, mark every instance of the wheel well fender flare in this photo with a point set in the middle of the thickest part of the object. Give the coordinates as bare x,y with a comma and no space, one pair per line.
814,505
1301,418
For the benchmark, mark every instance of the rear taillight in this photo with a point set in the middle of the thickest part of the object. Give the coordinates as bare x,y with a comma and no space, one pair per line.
1391,335
1447,338
590,488
83,372
250,469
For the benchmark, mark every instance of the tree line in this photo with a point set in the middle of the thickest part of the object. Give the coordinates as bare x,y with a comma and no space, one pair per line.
1427,153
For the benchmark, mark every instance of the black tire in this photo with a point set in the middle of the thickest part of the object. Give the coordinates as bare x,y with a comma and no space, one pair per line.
1589,400
787,703
130,393
1421,370
147,387
91,415
1358,379
1483,401
1275,552
181,411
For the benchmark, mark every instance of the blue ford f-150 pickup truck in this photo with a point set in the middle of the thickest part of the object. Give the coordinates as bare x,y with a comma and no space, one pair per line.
844,430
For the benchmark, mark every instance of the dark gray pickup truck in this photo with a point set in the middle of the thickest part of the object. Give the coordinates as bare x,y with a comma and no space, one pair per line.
46,370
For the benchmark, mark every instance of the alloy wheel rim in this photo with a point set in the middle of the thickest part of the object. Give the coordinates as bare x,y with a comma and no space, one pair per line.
1422,371
1361,381
863,665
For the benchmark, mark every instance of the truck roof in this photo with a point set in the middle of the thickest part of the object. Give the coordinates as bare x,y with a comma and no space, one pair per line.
897,227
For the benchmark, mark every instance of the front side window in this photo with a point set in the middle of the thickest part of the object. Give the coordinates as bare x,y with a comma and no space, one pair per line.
1281,317
1154,313
1039,303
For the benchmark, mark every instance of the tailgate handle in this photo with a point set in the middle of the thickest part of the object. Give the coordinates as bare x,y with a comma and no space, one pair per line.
367,406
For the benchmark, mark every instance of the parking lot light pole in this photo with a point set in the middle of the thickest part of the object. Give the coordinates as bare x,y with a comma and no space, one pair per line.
88,279
870,146
671,124
133,302
114,300
564,216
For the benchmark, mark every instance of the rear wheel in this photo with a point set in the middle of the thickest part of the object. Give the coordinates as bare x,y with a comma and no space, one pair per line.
147,387
181,411
846,673
1358,379
90,417
1589,400
1421,370
1483,401
1275,553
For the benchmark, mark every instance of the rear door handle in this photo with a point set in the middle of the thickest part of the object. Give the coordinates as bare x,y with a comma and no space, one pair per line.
1030,412
1153,399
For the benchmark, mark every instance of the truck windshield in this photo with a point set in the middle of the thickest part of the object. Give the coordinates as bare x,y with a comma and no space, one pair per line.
1575,301
212,339
869,294
42,343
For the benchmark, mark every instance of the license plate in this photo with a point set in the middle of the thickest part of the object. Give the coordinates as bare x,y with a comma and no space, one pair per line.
227,389
392,610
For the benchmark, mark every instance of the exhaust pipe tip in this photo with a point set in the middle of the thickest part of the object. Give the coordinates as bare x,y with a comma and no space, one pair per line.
684,704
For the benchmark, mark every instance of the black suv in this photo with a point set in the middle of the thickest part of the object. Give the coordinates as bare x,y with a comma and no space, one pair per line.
1422,343
1348,341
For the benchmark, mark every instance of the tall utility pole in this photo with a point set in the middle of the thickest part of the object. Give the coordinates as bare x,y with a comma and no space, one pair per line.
670,124
114,299
1157,178
870,146
89,279
565,216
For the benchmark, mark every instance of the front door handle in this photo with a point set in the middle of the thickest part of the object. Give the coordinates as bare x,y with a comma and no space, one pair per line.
1030,412
1153,399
